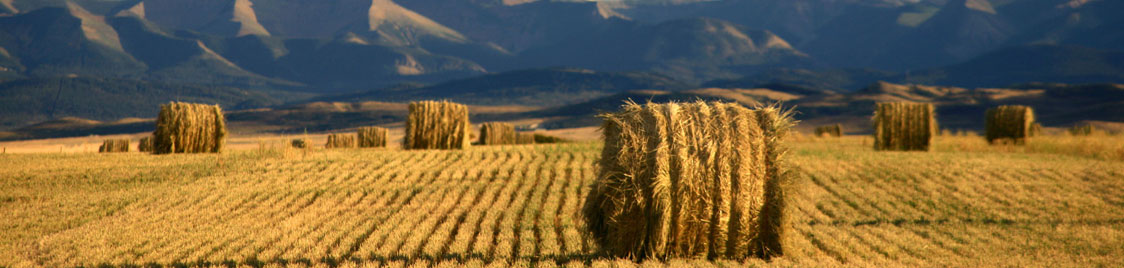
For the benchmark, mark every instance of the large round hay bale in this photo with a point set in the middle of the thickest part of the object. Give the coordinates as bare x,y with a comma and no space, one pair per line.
372,137
904,126
114,146
690,180
340,141
835,130
497,133
1009,124
145,145
437,125
189,128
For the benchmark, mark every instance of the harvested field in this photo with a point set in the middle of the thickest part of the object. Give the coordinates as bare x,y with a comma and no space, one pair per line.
964,203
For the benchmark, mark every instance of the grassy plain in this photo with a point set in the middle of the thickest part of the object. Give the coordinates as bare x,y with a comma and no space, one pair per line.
1056,202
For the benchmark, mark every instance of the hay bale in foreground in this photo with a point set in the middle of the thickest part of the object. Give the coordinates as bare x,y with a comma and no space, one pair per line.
904,126
340,141
371,137
299,143
497,133
830,131
1009,124
690,180
189,128
145,145
524,138
114,146
437,125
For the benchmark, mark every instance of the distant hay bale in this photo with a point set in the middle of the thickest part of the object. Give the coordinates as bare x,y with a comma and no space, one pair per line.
1009,124
1084,129
497,133
372,137
690,180
340,141
299,143
904,126
114,146
830,131
189,128
524,138
543,139
145,145
437,125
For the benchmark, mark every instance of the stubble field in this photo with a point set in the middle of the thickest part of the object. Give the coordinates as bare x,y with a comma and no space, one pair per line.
1058,203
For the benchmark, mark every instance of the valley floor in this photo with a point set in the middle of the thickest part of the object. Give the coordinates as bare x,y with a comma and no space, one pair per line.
964,204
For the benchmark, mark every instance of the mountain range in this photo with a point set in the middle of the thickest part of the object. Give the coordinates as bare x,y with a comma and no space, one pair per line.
260,53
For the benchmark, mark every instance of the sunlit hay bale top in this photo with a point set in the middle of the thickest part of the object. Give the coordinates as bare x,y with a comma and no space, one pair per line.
371,137
145,145
189,128
524,138
437,125
904,126
497,133
1009,124
114,146
690,180
340,141
1085,129
835,130
299,143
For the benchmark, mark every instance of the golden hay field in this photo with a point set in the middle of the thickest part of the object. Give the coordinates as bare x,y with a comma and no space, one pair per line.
1056,202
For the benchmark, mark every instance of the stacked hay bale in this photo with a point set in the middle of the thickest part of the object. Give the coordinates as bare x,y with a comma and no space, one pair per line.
497,133
525,138
114,146
830,131
340,141
371,137
904,126
145,145
299,143
690,180
437,125
1009,124
189,128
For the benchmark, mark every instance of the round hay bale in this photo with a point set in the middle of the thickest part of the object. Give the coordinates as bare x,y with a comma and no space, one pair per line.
689,180
1009,124
145,145
497,133
437,125
340,141
189,128
830,131
114,146
299,143
904,126
372,137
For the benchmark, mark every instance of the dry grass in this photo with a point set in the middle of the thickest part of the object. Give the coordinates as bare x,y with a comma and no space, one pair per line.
372,137
189,128
689,180
437,125
903,126
340,141
835,130
1010,124
1082,130
114,146
497,133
